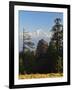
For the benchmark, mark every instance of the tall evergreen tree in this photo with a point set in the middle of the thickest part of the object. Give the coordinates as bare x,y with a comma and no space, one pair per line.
56,45
25,56
27,43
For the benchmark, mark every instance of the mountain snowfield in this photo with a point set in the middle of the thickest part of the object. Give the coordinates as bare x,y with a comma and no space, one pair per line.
35,37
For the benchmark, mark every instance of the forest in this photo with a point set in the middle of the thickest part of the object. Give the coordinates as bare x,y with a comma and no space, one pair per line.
47,58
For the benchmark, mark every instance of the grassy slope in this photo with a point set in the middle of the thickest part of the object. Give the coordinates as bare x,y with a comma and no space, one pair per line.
49,75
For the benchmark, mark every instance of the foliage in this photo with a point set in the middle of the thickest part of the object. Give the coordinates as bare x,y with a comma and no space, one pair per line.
56,46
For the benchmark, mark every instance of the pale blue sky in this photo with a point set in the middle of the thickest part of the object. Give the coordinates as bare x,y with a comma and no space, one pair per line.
34,20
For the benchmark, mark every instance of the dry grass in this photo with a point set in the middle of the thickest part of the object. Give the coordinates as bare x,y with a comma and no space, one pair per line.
49,75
